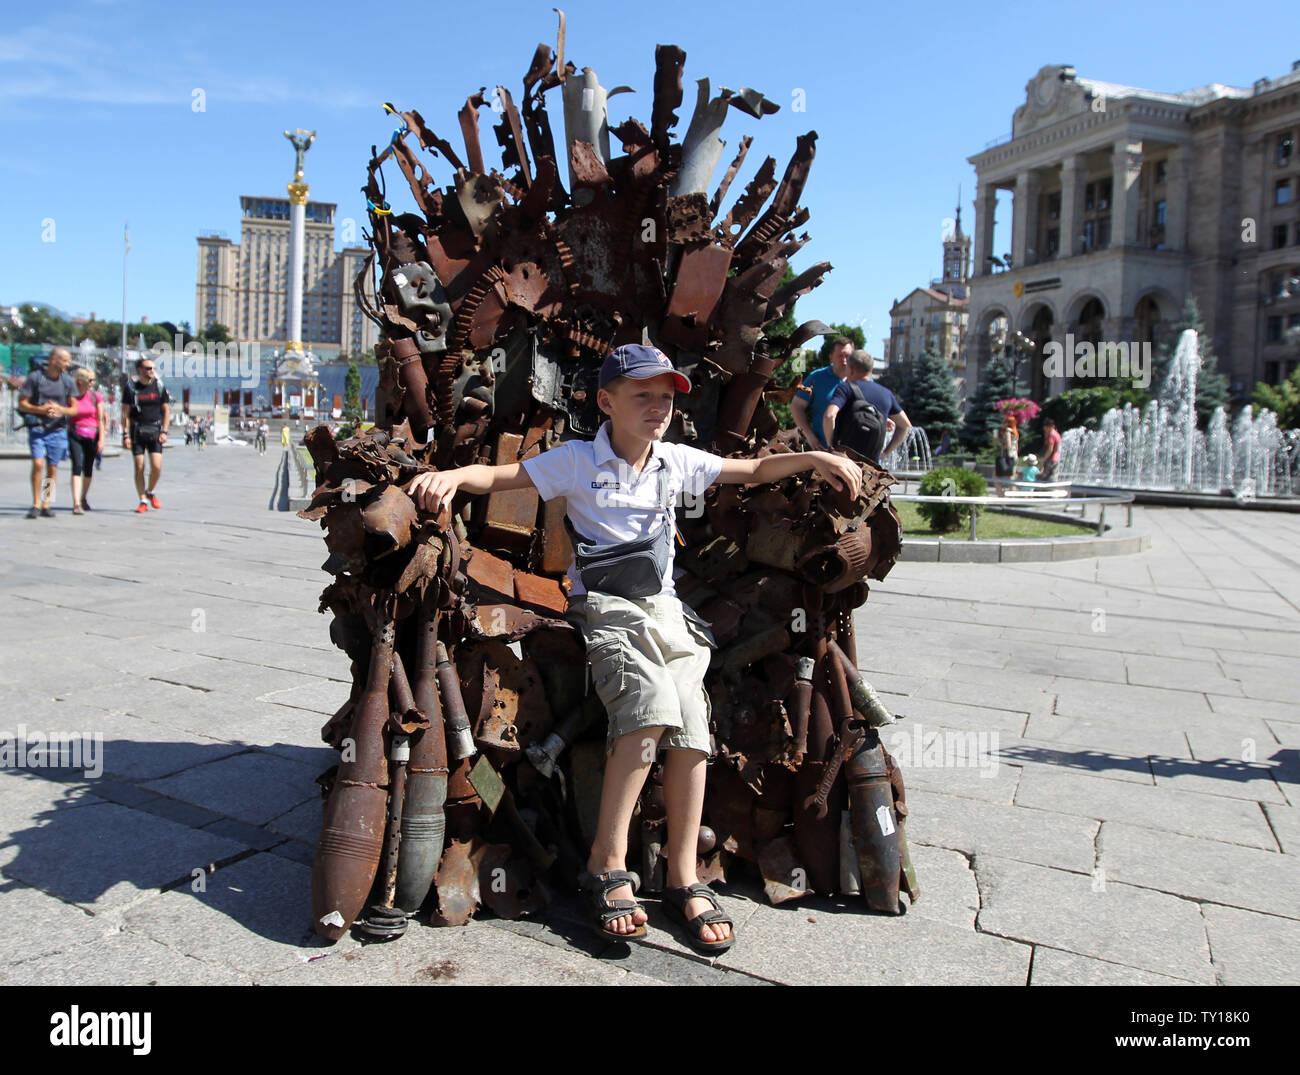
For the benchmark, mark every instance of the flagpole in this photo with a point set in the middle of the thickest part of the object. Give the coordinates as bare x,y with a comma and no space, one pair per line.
126,249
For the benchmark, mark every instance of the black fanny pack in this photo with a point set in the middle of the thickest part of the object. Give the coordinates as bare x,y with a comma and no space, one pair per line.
144,431
627,568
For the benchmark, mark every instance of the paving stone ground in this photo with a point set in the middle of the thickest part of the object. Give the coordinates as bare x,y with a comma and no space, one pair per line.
1103,763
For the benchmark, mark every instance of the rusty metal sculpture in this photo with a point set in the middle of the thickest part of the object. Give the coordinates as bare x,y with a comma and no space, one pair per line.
497,301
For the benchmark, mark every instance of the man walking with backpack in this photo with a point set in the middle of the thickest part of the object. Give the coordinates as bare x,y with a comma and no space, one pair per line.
859,410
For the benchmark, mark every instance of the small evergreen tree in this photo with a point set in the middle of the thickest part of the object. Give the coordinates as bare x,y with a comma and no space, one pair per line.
931,400
982,420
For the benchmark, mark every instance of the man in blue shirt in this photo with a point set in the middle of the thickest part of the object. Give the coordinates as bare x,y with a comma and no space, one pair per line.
809,403
880,397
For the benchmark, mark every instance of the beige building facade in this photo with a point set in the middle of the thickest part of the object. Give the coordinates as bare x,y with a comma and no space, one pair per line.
935,318
1126,201
245,285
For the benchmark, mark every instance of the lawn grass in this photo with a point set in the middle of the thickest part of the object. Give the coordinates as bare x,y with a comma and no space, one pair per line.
992,525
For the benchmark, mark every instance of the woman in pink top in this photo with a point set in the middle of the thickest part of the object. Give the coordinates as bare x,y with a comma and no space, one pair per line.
86,437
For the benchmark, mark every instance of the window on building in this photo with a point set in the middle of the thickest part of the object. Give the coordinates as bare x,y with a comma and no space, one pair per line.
1160,213
1161,170
1273,330
1285,147
1270,373
1054,206
1053,242
1282,192
1279,236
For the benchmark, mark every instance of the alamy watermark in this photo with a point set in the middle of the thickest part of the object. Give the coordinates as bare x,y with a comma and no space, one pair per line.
946,750
1084,360
53,750
194,359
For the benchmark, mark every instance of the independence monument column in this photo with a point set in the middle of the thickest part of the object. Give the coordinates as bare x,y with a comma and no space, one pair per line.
301,141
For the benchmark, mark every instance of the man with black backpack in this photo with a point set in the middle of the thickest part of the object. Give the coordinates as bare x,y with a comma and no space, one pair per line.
859,410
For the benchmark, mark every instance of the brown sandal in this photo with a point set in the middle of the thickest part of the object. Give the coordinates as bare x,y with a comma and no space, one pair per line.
597,887
675,900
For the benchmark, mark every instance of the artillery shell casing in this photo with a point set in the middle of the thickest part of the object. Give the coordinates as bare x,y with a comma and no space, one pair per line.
424,822
352,836
875,826
801,702
460,739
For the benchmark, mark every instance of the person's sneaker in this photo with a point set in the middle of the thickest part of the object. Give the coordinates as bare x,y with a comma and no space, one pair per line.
46,513
142,507
157,504
32,513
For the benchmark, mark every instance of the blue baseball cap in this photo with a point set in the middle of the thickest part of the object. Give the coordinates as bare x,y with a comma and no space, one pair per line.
640,362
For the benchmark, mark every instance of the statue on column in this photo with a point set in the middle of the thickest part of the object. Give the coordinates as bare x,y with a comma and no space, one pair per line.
301,141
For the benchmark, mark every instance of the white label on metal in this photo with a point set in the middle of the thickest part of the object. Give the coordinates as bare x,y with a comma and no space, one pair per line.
399,278
885,819
588,100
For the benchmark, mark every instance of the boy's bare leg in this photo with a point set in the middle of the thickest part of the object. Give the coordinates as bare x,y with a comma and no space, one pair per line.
684,773
626,770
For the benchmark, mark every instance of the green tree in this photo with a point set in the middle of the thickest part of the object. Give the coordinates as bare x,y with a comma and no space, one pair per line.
1282,399
41,326
352,394
1211,385
931,400
982,421
216,333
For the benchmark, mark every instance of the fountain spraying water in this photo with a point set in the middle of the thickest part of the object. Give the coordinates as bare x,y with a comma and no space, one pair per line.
1160,447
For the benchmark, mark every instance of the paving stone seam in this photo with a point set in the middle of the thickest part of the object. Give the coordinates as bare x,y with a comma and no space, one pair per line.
1269,822
1137,824
121,928
1057,610
177,683
1200,901
208,871
646,942
1116,963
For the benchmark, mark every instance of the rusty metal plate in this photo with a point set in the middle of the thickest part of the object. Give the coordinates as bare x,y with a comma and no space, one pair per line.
511,515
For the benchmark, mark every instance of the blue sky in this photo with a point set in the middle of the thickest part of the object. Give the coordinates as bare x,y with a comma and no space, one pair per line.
99,125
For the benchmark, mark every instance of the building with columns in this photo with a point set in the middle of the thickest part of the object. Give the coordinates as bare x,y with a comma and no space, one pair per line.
245,285
934,318
1126,201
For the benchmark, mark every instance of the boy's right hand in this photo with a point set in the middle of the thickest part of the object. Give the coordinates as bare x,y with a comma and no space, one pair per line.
433,490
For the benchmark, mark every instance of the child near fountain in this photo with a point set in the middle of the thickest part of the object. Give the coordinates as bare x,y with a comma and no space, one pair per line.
1030,471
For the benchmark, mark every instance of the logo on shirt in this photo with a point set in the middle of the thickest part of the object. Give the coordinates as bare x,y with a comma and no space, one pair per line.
606,485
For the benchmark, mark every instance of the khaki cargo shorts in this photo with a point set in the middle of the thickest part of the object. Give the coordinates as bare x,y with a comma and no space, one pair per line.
648,657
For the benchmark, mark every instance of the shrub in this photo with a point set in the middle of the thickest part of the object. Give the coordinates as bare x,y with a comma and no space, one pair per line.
950,481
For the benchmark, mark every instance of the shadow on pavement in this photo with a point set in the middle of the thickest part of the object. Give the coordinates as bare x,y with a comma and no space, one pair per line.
280,492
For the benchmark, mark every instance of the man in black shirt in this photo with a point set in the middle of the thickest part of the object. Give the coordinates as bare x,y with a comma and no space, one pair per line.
45,403
146,412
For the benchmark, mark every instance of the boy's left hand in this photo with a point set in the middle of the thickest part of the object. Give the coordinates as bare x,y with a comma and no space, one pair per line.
840,471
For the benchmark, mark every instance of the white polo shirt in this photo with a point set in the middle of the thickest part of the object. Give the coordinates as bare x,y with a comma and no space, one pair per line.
607,500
